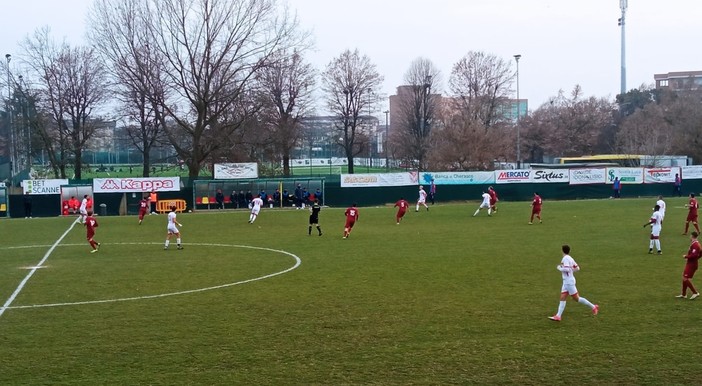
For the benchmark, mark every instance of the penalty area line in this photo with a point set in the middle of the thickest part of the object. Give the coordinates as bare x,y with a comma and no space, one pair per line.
24,281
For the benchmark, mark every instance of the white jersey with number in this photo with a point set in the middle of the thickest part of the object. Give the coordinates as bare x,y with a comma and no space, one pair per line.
422,196
661,204
256,204
656,223
172,223
83,206
486,201
568,269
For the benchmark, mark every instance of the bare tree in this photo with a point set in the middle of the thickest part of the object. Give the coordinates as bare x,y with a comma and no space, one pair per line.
646,131
285,91
418,109
570,125
481,84
211,51
349,82
120,31
73,83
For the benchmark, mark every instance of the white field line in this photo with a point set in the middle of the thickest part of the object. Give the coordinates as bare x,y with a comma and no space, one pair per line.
34,269
298,261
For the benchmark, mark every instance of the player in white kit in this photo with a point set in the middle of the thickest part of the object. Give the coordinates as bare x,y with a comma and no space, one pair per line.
661,204
484,205
256,204
172,229
656,223
568,268
83,210
422,198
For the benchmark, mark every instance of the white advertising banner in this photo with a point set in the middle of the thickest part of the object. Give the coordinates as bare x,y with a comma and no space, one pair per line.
381,179
531,176
691,172
512,176
660,175
459,178
235,170
588,176
145,184
626,175
43,186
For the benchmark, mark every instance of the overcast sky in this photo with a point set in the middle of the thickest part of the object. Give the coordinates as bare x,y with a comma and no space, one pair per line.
562,42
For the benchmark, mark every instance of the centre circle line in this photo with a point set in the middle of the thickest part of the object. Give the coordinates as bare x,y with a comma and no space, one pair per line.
297,259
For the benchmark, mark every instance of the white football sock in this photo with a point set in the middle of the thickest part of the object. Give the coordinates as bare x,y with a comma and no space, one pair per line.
586,302
561,307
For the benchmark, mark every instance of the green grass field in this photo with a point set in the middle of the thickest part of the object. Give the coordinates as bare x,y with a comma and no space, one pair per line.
443,298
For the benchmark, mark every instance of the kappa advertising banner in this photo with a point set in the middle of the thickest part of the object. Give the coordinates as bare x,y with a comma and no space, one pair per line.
531,176
146,184
459,178
691,172
626,175
235,170
660,175
43,186
588,176
382,179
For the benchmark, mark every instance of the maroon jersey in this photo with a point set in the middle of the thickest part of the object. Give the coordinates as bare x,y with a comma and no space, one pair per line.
536,203
493,196
144,204
90,225
351,214
402,205
692,207
692,257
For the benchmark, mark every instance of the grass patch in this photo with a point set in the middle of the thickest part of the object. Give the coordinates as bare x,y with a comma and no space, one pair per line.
443,298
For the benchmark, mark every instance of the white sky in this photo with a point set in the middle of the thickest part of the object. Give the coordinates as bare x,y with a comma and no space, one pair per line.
562,42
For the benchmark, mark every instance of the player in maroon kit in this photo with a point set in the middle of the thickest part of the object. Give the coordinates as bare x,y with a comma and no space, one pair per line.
351,218
493,199
143,208
90,225
692,256
535,208
401,206
692,214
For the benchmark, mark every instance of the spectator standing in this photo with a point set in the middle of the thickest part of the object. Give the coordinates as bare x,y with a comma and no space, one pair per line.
249,198
299,204
153,198
677,185
242,199
432,191
318,196
276,198
27,205
617,187
234,198
219,197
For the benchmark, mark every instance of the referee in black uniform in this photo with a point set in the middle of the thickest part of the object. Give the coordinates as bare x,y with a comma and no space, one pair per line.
314,218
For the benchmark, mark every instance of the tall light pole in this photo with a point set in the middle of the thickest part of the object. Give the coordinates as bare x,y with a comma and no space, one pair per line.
519,113
13,162
623,4
385,145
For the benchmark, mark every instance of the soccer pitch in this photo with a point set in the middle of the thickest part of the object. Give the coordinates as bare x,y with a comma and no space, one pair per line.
442,298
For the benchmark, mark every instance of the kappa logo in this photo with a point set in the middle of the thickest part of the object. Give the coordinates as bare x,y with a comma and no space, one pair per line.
133,184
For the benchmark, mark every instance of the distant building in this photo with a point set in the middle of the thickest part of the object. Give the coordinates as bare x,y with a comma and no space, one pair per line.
322,135
679,81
